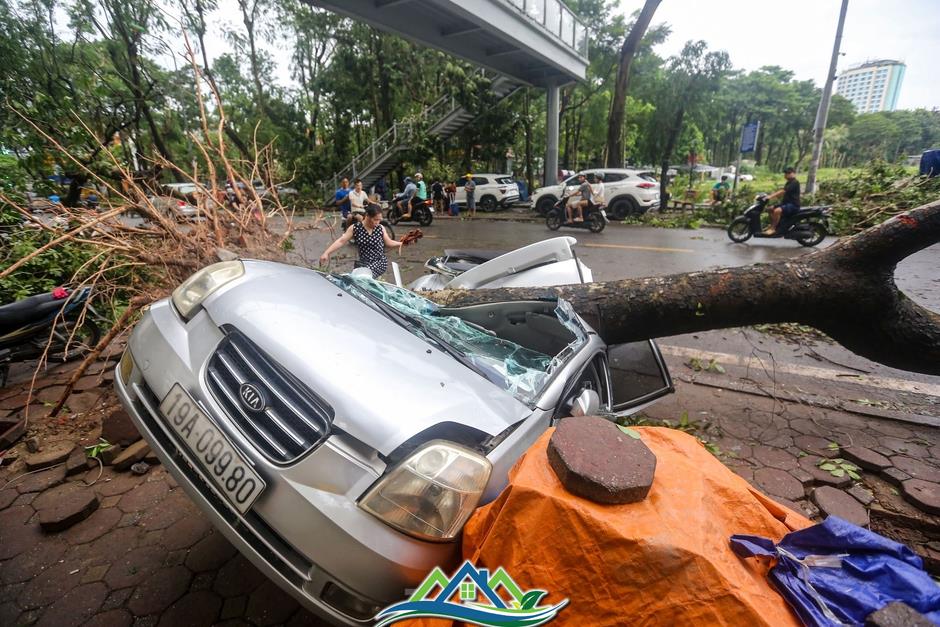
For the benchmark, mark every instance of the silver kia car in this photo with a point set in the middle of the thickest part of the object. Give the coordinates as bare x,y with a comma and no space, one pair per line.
340,431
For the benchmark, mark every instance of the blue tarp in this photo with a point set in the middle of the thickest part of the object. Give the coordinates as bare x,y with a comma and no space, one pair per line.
837,573
930,163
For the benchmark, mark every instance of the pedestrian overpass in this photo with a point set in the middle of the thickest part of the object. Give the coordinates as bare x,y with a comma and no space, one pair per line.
526,42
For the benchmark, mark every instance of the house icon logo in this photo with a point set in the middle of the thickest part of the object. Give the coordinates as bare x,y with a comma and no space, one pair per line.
478,602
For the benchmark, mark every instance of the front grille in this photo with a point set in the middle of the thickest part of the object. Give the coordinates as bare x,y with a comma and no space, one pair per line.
294,419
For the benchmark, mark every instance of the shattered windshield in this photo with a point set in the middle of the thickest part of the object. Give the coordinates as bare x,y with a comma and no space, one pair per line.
521,371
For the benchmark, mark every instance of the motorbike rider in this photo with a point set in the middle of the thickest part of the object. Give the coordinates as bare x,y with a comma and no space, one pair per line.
358,199
597,190
371,238
789,205
579,206
404,200
422,193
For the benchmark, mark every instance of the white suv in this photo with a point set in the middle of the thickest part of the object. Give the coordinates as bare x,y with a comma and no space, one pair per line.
492,191
628,192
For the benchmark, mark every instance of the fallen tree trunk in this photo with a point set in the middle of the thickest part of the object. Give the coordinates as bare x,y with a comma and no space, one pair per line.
847,291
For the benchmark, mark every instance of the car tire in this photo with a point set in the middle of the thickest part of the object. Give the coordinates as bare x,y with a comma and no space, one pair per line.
488,203
553,220
625,206
545,204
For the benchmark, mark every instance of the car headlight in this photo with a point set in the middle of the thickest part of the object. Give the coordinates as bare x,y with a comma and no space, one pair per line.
193,291
431,494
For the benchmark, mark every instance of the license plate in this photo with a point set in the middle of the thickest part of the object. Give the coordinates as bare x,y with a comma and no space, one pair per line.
216,456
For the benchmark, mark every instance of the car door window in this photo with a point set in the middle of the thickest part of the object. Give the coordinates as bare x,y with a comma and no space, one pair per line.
614,177
571,181
480,180
638,374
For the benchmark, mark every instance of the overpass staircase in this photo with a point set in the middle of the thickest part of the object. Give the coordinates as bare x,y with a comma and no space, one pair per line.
442,119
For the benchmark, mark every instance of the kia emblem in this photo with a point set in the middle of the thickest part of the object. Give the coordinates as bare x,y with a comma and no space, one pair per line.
252,397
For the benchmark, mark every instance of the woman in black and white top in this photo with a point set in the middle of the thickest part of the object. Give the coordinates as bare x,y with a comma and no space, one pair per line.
371,238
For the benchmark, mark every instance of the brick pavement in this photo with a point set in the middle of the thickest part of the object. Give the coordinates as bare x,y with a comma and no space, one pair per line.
147,556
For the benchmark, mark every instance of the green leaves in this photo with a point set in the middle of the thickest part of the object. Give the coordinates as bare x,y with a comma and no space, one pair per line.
838,467
633,434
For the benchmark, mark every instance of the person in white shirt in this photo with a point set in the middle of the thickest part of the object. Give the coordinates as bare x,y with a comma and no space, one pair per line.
597,190
358,200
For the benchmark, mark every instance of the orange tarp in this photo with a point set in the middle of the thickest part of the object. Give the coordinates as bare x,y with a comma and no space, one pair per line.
663,561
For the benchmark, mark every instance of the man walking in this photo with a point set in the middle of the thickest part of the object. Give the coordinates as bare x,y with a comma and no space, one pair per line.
470,188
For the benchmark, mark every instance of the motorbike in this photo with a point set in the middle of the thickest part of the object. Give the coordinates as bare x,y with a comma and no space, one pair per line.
809,226
28,325
422,212
594,217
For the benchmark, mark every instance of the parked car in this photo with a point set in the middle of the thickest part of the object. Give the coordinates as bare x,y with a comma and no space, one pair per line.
175,208
339,431
492,191
628,192
745,177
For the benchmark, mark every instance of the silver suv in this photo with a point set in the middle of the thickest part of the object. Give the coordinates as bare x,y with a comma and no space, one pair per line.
340,431
627,192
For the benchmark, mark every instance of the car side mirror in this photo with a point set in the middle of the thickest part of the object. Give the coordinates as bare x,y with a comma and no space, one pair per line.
587,403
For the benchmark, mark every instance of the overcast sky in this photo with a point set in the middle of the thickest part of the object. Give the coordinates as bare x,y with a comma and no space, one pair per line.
798,35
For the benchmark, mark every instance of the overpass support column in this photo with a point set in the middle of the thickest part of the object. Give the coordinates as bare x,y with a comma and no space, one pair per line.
551,135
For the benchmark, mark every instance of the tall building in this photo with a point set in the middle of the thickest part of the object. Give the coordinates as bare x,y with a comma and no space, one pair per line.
873,85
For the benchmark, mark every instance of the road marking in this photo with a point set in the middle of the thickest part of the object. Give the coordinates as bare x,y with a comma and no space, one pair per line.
898,385
654,249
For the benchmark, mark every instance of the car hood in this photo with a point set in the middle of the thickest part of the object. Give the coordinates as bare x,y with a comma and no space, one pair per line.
384,383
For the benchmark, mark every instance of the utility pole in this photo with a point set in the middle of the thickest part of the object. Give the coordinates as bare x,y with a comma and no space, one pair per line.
822,114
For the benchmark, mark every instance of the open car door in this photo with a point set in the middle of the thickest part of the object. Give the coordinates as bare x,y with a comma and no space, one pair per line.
638,376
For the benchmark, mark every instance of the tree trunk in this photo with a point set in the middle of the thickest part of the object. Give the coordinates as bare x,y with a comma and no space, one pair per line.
667,153
619,102
846,290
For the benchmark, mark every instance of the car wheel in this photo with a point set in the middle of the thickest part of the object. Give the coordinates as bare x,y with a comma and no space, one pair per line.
545,204
815,236
553,220
488,203
623,207
596,223
739,230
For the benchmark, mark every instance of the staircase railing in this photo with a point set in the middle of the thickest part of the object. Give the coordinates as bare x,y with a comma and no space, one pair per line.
395,137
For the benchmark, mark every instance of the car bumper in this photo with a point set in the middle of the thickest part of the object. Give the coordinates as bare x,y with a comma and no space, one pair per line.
509,199
305,532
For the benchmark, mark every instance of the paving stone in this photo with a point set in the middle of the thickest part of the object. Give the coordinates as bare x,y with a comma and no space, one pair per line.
210,553
75,607
9,613
147,621
118,428
11,592
51,394
51,497
881,450
49,585
778,483
15,402
186,532
8,497
905,447
806,426
112,484
195,608
916,468
76,463
117,599
784,440
159,591
269,605
888,427
861,495
134,567
897,614
809,509
202,581
111,618
802,475
821,476
88,382
94,573
924,495
233,607
17,534
97,525
83,402
70,508
816,445
26,498
30,563
894,476
42,481
745,472
110,501
775,458
108,455
835,502
50,455
238,577
131,455
144,496
865,458
595,460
